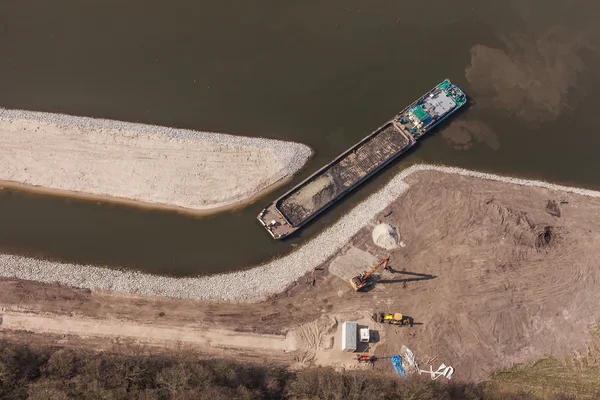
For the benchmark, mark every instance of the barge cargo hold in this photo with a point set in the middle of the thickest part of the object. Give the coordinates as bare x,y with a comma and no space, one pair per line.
329,184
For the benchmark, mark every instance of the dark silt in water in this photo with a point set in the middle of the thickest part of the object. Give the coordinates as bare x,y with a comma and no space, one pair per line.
321,73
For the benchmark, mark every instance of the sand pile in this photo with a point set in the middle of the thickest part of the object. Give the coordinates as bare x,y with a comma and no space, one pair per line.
385,236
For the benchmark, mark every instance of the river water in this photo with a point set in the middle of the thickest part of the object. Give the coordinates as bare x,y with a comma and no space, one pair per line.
321,73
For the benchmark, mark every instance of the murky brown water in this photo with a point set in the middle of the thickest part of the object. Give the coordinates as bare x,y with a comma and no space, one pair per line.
322,73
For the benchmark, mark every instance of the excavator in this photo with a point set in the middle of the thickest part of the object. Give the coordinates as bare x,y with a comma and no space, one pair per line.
359,282
394,319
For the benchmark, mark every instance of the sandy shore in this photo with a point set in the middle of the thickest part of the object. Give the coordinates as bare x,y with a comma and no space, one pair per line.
250,284
161,166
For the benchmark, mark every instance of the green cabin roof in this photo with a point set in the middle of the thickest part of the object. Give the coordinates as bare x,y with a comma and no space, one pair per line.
420,113
445,85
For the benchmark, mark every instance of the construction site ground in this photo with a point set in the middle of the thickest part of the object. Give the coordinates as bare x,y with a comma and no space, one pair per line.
494,275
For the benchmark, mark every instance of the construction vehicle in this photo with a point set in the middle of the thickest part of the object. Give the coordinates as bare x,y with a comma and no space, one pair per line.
395,319
365,358
359,282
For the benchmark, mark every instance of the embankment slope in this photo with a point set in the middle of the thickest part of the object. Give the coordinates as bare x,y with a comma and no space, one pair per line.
251,284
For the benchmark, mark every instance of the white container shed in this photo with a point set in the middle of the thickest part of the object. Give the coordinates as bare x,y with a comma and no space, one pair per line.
349,336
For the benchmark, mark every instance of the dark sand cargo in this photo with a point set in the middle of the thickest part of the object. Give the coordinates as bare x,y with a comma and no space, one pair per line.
332,182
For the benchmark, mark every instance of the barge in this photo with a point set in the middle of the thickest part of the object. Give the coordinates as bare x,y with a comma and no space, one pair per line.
329,184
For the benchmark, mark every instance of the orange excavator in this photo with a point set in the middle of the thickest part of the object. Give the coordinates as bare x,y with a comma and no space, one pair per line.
359,282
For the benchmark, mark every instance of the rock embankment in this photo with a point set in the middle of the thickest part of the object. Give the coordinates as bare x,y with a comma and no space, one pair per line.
170,167
249,284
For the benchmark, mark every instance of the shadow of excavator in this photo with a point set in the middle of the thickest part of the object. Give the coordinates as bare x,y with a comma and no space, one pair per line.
412,277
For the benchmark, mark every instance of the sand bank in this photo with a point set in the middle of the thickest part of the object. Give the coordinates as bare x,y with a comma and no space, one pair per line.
167,167
250,284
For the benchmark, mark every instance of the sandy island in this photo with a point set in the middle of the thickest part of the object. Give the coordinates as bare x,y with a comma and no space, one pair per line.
165,167
496,271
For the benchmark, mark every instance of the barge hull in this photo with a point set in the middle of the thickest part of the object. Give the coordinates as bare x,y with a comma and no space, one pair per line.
357,164
343,174
336,179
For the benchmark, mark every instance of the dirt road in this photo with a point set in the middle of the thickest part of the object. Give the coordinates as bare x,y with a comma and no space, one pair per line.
142,333
493,274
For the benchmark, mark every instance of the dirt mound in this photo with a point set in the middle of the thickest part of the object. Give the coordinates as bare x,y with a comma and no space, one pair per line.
385,236
523,229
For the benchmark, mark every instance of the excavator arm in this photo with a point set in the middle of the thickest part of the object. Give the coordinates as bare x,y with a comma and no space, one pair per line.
384,262
360,281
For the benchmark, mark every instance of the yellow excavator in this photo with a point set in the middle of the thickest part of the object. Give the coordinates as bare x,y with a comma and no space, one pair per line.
395,319
359,282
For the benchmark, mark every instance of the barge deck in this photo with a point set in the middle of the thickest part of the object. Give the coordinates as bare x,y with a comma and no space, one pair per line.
336,179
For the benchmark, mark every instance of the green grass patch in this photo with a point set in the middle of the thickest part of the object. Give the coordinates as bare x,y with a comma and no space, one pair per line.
549,378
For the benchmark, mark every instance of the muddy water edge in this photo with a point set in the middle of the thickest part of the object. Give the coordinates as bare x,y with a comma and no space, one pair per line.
321,74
